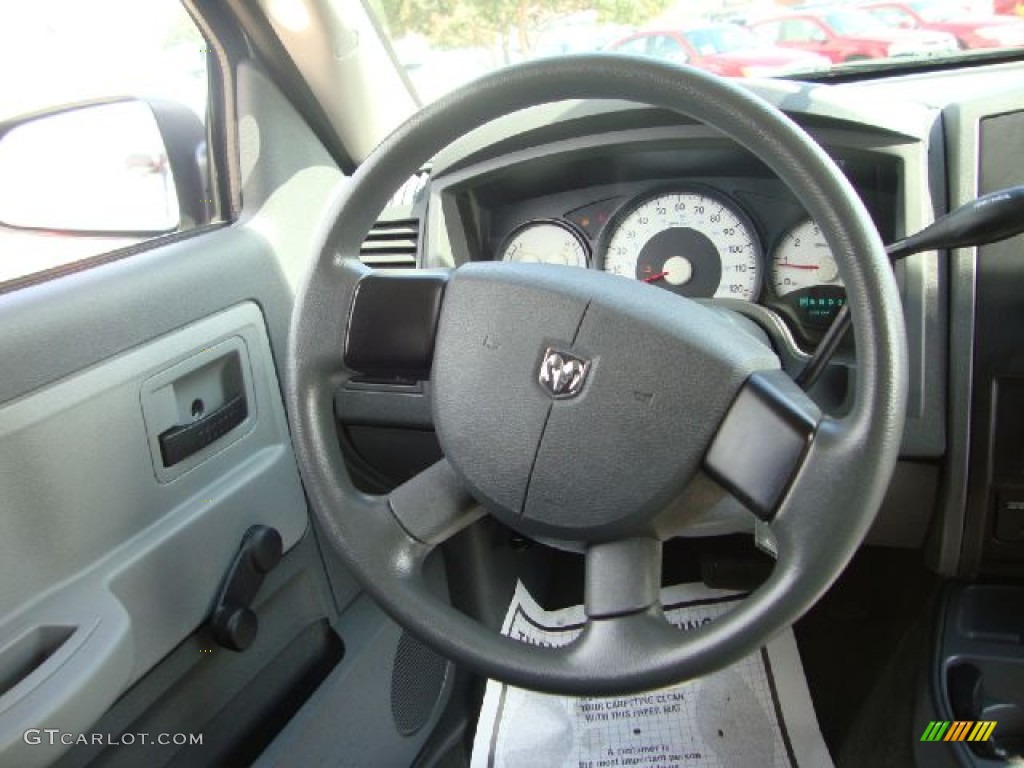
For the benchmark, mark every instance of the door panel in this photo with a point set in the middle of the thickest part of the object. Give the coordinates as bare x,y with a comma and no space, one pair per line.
109,562
238,702
57,328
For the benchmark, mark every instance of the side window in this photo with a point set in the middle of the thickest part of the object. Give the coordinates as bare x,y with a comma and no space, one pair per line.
102,132
801,31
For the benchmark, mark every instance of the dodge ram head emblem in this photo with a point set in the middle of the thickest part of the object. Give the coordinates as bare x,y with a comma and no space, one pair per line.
562,374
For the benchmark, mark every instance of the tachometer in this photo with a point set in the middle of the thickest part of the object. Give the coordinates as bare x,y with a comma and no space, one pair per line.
805,276
546,242
694,243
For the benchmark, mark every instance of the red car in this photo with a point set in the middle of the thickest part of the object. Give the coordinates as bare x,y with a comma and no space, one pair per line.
969,31
725,49
1008,7
849,34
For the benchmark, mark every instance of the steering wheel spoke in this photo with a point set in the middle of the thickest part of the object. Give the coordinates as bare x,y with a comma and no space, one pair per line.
762,441
433,506
622,577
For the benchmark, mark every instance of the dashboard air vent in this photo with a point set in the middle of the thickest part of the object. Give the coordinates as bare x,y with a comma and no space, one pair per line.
391,244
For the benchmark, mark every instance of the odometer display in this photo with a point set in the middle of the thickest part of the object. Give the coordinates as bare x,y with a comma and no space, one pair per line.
693,243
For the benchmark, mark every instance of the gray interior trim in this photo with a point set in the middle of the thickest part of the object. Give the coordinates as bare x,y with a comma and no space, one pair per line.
197,682
334,51
56,328
289,181
100,547
898,116
961,122
348,720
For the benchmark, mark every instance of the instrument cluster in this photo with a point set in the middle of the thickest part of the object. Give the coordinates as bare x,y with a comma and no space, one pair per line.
698,242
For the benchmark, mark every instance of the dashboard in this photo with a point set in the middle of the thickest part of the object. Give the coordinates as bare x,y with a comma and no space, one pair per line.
674,205
652,196
741,236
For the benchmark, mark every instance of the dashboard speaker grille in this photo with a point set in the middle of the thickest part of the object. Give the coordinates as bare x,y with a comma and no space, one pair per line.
417,681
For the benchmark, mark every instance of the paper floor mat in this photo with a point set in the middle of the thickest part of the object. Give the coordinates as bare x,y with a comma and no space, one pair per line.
757,712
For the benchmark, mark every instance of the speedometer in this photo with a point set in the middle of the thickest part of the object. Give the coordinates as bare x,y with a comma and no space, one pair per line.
695,243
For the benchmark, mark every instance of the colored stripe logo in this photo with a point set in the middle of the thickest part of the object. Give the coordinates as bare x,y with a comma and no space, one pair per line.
958,730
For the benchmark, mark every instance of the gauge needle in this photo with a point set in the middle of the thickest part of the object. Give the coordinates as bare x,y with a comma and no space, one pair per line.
799,266
652,278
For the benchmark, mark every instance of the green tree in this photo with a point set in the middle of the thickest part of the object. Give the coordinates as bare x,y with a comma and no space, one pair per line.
631,12
460,23
400,17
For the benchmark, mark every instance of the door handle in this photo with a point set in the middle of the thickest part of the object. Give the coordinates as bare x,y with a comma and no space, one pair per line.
180,442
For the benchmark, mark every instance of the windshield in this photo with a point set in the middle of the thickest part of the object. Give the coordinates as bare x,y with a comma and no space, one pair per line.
853,22
724,39
932,11
442,44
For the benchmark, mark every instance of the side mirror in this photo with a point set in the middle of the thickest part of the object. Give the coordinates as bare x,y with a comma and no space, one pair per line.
108,168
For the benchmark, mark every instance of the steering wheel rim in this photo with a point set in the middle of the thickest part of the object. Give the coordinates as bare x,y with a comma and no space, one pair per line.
823,515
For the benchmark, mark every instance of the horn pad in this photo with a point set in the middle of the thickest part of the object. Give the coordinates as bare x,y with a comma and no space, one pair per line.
576,404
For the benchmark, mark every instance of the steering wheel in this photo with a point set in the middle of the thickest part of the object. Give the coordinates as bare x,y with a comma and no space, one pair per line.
578,406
